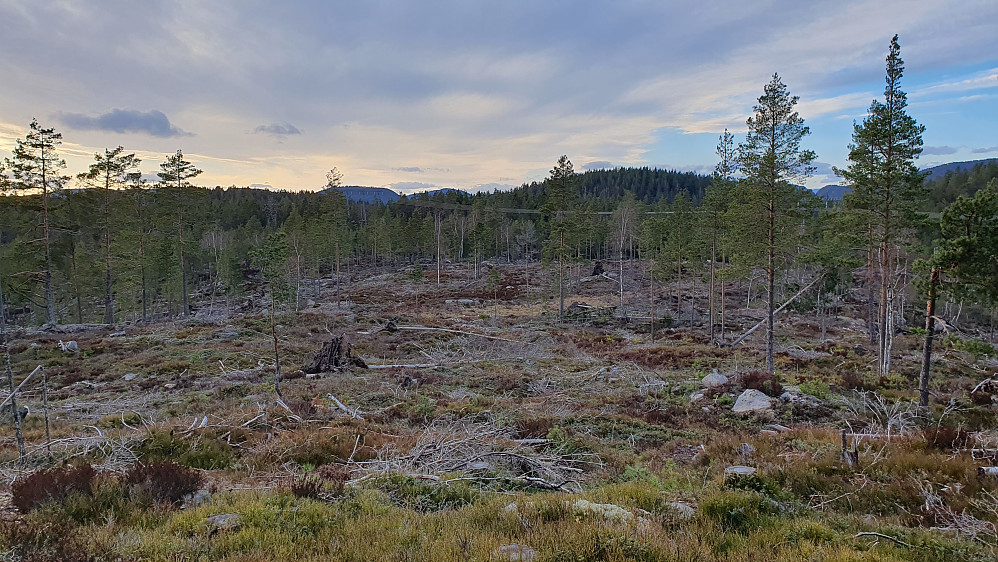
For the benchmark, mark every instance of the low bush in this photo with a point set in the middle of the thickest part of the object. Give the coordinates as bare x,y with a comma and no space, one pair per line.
763,382
161,481
52,485
736,510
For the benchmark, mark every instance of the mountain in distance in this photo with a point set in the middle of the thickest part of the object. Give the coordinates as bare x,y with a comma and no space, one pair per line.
833,192
361,194
942,169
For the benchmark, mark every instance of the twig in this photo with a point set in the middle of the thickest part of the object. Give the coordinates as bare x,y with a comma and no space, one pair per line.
354,414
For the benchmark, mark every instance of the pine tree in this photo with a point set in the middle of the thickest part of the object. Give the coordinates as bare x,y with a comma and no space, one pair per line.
715,205
560,188
35,168
965,262
771,157
112,170
888,189
174,175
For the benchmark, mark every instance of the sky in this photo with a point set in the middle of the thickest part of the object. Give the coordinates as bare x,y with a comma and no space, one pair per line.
478,94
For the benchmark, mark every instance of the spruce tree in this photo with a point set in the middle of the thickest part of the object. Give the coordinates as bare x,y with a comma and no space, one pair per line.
560,188
771,158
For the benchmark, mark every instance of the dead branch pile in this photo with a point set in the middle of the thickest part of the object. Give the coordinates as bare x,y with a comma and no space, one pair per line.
483,451
334,355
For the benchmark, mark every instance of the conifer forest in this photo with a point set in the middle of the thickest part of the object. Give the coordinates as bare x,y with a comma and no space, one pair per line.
629,363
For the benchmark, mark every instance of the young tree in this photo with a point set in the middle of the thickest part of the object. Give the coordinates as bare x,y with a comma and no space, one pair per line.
887,188
560,200
771,157
625,225
715,205
112,170
36,167
174,174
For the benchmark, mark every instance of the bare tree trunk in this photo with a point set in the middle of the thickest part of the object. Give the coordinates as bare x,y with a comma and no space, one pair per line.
930,327
183,265
713,268
870,322
771,289
76,288
651,298
49,297
561,279
10,375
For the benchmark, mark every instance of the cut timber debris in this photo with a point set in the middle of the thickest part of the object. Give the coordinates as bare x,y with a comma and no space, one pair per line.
335,355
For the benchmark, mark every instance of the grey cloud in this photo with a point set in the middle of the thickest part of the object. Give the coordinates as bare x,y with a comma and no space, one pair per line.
598,165
278,129
985,150
151,122
940,150
407,185
413,169
823,169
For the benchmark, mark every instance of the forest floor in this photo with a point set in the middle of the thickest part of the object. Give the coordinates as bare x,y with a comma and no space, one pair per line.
485,429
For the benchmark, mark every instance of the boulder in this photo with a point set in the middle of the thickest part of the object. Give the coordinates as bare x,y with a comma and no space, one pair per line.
70,346
515,552
714,380
130,377
752,400
739,470
606,511
224,522
683,510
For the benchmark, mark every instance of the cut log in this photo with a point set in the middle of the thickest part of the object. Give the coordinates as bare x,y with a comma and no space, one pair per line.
335,355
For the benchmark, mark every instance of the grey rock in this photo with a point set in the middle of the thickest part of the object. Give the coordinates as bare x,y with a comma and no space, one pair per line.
196,499
683,510
714,380
116,334
747,449
224,522
739,470
130,377
515,552
696,397
752,400
71,345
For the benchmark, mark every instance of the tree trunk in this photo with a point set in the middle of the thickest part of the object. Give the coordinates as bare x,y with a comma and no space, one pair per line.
930,326
183,266
561,279
10,374
771,289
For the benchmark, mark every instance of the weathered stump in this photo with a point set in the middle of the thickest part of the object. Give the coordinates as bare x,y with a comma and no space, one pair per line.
334,355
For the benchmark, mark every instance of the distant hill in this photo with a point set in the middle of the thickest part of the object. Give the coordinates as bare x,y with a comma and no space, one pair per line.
361,194
940,170
833,192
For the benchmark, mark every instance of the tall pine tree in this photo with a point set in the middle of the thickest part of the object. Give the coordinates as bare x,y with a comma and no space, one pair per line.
771,158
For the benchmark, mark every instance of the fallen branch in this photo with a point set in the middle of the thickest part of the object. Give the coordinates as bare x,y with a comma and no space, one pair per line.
354,414
888,537
777,311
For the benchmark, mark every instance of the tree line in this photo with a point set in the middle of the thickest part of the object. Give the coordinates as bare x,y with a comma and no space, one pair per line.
104,245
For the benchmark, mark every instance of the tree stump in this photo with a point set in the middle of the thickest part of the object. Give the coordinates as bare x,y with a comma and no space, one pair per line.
334,355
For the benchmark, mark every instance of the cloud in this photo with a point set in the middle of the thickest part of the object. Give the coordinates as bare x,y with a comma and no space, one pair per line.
939,150
985,150
823,169
411,186
598,165
278,129
151,122
413,169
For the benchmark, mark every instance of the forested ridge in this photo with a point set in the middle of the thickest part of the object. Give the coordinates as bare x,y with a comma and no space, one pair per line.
105,245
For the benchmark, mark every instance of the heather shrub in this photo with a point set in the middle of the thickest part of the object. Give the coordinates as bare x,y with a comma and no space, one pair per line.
52,485
164,481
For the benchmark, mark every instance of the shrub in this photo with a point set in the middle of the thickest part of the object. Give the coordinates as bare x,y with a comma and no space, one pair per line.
308,485
816,388
52,539
162,481
763,382
738,511
52,485
946,438
335,475
206,453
